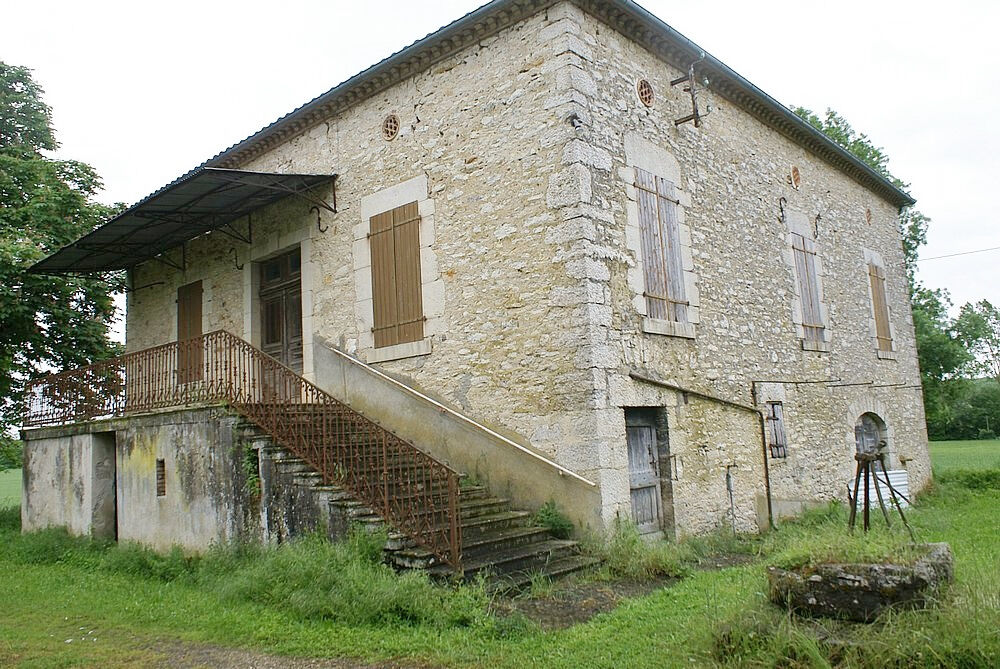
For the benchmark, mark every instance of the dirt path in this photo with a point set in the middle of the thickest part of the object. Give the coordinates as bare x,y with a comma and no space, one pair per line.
189,655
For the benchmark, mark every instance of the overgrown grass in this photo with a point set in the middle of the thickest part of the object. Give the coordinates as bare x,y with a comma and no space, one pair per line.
820,535
961,630
10,487
311,579
283,601
626,554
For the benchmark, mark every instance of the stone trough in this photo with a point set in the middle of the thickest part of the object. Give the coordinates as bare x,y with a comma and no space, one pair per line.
860,592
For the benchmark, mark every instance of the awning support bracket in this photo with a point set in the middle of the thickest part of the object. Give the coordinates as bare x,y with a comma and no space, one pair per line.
166,260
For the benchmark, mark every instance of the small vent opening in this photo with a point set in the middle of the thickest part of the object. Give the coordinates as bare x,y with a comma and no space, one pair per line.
161,478
644,90
795,177
390,127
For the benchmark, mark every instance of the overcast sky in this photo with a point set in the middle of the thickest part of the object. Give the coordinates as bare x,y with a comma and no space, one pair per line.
145,91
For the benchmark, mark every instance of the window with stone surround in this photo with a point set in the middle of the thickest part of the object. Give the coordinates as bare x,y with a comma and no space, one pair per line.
397,306
661,247
880,308
879,323
399,288
775,420
813,332
662,280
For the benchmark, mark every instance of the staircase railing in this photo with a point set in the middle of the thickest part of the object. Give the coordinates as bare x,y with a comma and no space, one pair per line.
410,489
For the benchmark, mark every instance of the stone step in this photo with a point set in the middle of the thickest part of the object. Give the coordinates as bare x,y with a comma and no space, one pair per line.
521,580
486,544
533,556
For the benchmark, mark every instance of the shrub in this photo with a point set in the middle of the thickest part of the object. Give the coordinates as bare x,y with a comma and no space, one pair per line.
552,519
972,479
987,434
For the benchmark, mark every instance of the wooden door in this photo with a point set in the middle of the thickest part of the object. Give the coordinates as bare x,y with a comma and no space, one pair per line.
281,310
189,326
644,475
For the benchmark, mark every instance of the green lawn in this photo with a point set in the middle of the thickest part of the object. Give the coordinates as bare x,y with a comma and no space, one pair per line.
978,454
10,488
58,594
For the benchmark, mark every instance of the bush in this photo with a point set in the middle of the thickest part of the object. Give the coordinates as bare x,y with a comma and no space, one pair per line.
972,479
987,434
552,519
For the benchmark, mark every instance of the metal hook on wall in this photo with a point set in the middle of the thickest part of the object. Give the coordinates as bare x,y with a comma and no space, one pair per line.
319,223
782,201
236,259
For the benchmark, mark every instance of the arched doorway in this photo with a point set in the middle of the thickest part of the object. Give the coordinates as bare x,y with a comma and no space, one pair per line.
870,435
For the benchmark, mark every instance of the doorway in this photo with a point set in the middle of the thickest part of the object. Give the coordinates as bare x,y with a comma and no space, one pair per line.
189,325
649,466
281,309
105,486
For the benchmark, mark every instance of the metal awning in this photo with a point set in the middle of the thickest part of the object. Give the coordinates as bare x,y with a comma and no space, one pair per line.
203,200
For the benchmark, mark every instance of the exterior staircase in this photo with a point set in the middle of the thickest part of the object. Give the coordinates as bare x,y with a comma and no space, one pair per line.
499,543
322,463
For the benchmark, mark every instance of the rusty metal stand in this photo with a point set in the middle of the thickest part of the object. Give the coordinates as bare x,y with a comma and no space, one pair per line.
865,469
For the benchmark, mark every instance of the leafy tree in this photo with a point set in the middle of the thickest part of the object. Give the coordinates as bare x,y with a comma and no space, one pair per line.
10,453
978,327
46,322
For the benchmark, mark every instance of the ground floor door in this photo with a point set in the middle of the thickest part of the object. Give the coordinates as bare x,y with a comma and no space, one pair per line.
644,470
281,309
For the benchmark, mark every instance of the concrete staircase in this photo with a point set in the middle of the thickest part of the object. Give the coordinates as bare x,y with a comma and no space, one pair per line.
499,542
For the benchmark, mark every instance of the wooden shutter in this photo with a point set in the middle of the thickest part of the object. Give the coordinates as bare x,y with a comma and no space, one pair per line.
776,430
661,247
397,302
805,267
876,276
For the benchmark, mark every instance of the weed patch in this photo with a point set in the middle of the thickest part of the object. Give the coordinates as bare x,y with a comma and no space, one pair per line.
552,519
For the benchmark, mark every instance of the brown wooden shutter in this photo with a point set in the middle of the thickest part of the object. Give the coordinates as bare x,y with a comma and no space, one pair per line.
804,251
661,247
876,276
189,357
397,302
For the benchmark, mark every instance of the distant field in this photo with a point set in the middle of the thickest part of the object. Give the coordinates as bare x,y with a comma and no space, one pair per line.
979,454
10,488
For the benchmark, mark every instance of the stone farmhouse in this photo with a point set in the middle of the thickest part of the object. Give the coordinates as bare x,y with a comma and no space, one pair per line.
553,252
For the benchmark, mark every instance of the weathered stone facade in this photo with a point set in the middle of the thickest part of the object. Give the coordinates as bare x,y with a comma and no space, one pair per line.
523,149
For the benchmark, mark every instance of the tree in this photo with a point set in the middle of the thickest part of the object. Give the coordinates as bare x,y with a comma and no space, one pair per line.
46,322
978,327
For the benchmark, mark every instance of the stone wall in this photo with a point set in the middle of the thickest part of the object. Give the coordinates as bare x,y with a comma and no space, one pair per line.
733,174
530,267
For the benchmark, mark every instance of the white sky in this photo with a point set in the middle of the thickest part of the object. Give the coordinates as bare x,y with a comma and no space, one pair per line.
145,91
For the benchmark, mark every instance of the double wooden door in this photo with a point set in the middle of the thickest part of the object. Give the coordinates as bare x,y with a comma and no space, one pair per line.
281,309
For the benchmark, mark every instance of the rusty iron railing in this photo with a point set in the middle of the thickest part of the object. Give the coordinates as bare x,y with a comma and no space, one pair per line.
410,489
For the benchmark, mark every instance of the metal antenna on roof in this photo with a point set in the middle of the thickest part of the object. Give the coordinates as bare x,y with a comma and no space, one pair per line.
692,88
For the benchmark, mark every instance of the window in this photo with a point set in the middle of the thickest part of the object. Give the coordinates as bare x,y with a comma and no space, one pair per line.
161,478
396,286
775,421
883,335
661,248
810,298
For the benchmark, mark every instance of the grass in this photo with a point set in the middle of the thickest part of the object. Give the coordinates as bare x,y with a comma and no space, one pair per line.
10,488
314,599
979,454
